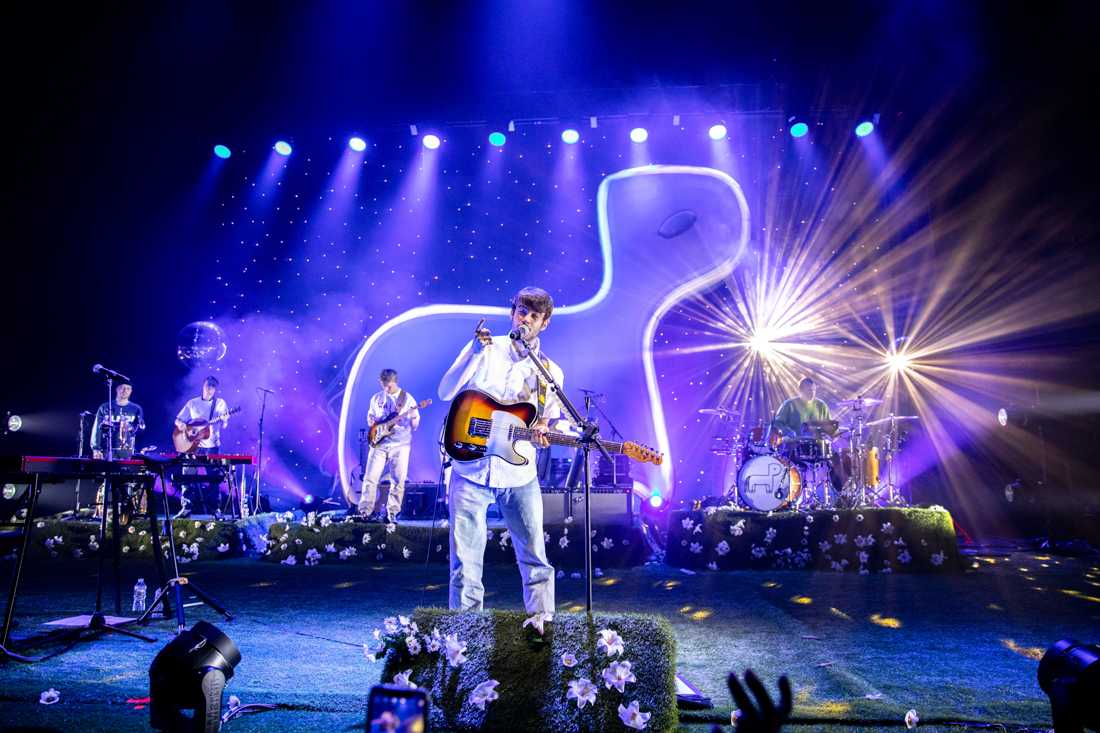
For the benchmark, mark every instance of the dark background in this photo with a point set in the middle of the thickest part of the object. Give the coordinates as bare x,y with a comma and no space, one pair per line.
114,107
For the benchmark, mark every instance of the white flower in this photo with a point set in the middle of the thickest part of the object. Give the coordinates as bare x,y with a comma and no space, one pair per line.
326,520
563,542
710,510
297,540
390,625
413,645
911,719
403,620
312,556
836,517
809,519
183,533
560,575
575,576
938,558
348,552
759,552
131,529
859,517
610,643
568,520
688,523
632,717
839,566
330,547
290,560
617,675
824,546
435,641
505,538
769,535
887,528
366,538
863,556
537,621
391,528
607,543
223,547
597,573
210,526
840,539
886,567
443,523
568,660
401,679
489,535
546,537
198,524
125,550
49,697
484,693
696,548
712,565
698,529
723,548
454,650
583,691
738,529
406,553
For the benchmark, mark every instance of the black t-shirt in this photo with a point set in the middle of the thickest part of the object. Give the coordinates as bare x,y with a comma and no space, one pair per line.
131,414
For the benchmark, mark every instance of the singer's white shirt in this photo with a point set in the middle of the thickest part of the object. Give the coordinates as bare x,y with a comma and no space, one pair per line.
500,371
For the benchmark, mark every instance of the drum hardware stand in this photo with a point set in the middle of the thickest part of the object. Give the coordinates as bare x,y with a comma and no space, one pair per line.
890,491
79,454
177,581
859,491
587,438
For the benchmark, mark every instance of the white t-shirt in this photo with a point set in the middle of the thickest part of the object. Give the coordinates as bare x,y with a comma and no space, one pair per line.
199,409
501,372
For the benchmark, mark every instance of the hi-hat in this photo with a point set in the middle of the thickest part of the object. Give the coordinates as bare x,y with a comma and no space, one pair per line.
860,402
897,418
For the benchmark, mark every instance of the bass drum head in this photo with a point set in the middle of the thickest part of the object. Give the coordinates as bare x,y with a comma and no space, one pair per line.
768,483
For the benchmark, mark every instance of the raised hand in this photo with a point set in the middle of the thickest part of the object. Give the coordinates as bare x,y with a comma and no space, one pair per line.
763,716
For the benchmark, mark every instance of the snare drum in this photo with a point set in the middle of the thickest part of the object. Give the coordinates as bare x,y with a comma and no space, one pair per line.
761,441
767,483
810,450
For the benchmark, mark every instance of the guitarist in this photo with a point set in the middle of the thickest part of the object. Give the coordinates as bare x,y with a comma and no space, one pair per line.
392,451
503,369
207,407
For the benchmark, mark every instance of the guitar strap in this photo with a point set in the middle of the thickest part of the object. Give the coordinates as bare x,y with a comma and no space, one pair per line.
213,404
543,387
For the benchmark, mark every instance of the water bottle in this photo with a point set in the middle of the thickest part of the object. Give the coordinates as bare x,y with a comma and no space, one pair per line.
139,595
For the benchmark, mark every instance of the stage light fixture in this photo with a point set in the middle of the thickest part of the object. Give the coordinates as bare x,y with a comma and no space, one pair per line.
717,132
865,128
656,500
1069,673
593,122
9,492
639,135
497,138
431,142
14,423
189,674
413,130
799,129
222,151
570,136
1002,417
357,144
897,362
308,503
283,147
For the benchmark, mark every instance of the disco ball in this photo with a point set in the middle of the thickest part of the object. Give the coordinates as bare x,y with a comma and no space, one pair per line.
201,343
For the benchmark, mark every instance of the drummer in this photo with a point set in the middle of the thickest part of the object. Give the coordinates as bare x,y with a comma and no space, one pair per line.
803,412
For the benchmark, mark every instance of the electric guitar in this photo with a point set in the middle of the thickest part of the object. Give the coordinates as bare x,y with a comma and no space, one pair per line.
381,429
198,430
479,426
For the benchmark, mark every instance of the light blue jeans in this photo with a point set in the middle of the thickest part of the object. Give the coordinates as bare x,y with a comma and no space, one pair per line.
522,511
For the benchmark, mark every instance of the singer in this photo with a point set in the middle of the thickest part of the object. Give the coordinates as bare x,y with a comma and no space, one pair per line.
501,366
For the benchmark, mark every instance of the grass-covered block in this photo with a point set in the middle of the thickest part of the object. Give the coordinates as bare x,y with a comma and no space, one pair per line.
533,680
317,539
53,538
872,540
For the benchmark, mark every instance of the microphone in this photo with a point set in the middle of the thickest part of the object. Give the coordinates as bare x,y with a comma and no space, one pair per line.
521,332
265,389
110,373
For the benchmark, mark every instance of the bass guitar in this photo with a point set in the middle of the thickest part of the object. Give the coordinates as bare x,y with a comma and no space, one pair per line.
381,429
480,426
197,430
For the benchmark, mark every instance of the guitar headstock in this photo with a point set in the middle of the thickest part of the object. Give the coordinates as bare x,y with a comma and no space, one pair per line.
643,454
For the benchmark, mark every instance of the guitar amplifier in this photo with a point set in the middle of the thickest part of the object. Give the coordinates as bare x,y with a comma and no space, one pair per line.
420,501
613,474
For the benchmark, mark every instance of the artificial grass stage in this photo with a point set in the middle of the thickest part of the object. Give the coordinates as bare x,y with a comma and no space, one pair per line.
867,541
860,650
533,680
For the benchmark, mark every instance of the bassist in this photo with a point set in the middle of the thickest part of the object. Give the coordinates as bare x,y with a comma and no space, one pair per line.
396,407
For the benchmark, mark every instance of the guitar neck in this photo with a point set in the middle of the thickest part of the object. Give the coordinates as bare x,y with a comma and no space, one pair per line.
518,433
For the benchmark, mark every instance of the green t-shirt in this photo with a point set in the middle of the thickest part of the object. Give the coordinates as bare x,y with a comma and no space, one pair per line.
795,411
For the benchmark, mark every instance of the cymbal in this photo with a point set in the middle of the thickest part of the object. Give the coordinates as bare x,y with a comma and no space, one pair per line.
721,412
897,418
860,402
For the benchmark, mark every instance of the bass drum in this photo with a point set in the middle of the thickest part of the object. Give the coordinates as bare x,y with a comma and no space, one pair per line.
769,483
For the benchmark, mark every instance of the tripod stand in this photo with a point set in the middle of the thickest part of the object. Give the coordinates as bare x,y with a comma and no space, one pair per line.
176,582
587,438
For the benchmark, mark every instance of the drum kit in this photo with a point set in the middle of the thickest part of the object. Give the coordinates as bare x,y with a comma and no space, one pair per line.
829,464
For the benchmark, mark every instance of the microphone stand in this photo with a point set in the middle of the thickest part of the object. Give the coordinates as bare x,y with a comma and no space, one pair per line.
259,453
587,438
